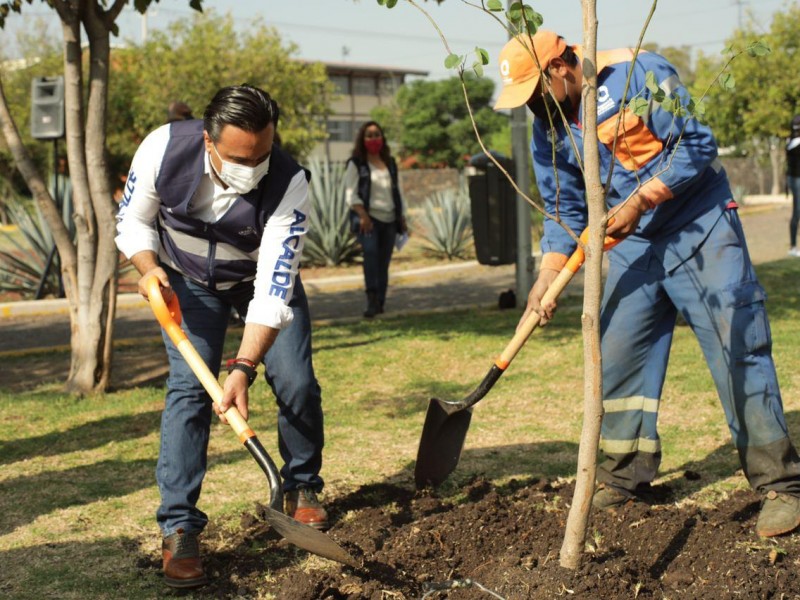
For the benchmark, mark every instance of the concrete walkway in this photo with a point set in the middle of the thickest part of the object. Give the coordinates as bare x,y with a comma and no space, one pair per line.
36,325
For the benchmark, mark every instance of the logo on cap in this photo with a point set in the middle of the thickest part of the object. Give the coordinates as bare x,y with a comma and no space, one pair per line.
505,68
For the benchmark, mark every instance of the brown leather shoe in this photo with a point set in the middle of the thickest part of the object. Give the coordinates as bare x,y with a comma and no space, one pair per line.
302,505
182,565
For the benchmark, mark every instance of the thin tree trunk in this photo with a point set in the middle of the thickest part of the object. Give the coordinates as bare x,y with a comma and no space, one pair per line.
578,518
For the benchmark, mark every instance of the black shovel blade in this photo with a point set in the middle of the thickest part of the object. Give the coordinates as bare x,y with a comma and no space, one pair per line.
440,445
308,538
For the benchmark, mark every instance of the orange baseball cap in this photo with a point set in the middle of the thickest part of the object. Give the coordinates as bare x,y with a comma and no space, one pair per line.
519,69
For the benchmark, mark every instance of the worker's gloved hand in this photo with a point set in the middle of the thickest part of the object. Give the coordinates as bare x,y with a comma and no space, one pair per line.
234,393
625,218
543,281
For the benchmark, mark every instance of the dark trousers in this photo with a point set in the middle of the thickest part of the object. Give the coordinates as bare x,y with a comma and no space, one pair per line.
186,420
794,188
378,246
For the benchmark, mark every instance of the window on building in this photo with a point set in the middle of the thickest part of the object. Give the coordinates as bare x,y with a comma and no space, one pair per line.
341,83
388,85
364,86
340,131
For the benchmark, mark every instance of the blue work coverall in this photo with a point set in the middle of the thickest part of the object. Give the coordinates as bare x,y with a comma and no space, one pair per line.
688,255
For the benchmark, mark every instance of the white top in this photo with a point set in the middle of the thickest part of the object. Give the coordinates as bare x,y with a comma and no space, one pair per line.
136,226
381,202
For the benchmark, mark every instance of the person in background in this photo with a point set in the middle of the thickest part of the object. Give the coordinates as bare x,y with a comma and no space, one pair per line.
793,182
372,192
178,111
219,215
684,254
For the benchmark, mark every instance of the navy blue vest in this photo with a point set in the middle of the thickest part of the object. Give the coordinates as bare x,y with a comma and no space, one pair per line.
221,254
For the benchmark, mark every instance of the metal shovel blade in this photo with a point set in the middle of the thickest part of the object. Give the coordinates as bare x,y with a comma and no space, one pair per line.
440,444
308,538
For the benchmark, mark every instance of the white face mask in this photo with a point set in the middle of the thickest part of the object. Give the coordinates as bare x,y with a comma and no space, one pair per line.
240,178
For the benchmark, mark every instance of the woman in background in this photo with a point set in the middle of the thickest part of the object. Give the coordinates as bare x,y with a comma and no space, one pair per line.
793,181
372,192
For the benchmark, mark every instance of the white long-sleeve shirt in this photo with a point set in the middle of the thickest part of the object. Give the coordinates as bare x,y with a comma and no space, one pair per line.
136,226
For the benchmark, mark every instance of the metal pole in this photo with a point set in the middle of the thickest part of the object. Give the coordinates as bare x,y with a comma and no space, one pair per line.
521,153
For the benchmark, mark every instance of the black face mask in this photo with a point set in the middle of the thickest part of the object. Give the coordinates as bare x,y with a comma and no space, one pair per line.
540,106
543,105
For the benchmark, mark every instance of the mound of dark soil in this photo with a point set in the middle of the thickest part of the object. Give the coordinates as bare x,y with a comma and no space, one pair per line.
504,542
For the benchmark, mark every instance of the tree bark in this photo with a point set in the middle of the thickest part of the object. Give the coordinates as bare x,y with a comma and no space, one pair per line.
89,263
92,350
578,518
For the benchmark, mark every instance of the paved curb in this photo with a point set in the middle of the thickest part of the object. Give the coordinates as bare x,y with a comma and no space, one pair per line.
32,308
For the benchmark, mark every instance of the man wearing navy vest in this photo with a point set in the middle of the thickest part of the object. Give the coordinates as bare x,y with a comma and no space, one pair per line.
219,214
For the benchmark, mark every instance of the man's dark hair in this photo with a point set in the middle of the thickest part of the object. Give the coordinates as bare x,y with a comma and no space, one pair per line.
243,106
569,56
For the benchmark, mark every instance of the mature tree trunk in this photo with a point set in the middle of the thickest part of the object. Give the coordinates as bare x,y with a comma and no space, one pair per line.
95,302
578,518
89,264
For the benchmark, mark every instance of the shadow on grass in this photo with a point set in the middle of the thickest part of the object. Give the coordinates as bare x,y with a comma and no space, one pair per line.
29,496
723,461
121,568
86,436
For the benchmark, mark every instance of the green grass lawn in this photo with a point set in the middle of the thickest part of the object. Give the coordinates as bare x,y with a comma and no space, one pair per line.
77,492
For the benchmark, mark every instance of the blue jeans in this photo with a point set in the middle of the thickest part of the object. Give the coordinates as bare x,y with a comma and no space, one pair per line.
794,188
378,246
717,293
186,419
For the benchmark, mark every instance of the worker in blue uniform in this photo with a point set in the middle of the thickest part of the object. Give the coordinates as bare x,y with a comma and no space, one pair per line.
684,253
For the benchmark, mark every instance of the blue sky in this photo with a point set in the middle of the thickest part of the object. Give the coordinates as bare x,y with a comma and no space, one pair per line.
362,32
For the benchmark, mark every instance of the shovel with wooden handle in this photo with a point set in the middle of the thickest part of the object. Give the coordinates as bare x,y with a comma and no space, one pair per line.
447,422
299,534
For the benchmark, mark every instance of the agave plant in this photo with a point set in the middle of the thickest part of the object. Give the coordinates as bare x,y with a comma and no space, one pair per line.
447,224
22,269
329,241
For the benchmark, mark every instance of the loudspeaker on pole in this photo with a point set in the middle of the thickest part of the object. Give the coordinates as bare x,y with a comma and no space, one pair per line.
47,108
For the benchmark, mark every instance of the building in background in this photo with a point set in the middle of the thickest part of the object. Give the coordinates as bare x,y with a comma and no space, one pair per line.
360,88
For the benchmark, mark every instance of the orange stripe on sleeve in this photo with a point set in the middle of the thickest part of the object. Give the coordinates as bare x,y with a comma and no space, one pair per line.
553,260
635,143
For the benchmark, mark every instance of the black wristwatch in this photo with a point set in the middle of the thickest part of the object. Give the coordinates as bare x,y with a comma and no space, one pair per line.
245,366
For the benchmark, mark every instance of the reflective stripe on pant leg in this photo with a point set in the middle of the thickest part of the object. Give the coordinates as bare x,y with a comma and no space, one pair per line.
636,323
719,295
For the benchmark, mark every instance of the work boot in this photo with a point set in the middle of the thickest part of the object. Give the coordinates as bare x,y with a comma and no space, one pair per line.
183,568
302,505
607,496
373,308
779,514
